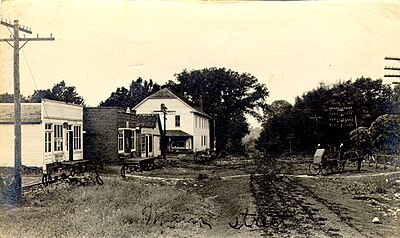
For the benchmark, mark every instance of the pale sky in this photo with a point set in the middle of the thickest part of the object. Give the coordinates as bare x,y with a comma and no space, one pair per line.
290,46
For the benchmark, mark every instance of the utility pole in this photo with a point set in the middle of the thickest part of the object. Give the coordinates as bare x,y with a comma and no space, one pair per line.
164,111
16,39
316,118
397,74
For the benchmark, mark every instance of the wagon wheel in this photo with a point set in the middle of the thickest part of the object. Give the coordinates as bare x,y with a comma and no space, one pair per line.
138,168
342,163
123,171
325,169
130,169
196,158
314,169
150,166
44,180
64,176
99,180
336,166
72,172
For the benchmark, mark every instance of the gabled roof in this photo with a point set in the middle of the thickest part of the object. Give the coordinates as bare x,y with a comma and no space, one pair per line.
30,113
165,93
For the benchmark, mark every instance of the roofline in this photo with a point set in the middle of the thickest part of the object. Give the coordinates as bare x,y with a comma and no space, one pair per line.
106,108
43,100
22,123
193,109
61,102
202,113
24,103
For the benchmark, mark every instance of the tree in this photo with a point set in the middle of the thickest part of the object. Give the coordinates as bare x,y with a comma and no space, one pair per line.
9,98
119,98
396,99
138,90
290,130
327,115
385,133
360,138
59,92
227,96
277,108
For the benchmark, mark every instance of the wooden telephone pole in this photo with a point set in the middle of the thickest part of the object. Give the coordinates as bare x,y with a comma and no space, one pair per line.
395,69
16,39
164,143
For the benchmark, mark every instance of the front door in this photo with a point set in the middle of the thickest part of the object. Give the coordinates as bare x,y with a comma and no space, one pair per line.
71,145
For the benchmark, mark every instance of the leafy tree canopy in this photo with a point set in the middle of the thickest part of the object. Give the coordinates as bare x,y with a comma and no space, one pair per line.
227,96
59,92
9,98
360,139
327,115
138,90
385,133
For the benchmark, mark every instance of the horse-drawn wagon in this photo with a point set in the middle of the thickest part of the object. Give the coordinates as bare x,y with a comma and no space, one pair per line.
324,163
76,170
139,164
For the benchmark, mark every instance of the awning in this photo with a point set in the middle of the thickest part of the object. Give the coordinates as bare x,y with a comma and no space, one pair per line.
177,133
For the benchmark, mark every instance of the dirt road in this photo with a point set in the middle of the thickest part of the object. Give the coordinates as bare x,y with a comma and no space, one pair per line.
232,199
322,207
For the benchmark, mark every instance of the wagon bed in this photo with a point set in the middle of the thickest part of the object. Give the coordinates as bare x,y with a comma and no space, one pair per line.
138,165
70,168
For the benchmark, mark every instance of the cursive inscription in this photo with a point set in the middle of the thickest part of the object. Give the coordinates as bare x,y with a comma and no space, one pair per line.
155,217
249,220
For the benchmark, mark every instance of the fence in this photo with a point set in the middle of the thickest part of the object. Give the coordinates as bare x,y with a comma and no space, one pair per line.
387,161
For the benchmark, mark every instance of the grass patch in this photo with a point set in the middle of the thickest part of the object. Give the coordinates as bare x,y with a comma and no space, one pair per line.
120,208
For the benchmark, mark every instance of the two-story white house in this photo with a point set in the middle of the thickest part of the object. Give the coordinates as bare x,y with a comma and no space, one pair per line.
187,128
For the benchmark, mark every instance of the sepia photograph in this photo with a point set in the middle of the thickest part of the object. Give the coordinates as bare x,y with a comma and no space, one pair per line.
196,118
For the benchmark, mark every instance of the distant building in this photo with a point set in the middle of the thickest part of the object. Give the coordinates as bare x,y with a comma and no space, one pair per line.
188,128
112,133
51,131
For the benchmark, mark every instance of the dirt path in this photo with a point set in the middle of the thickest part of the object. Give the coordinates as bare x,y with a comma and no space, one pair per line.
279,205
284,205
292,210
260,174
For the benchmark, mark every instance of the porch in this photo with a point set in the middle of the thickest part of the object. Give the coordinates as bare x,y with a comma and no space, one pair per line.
179,141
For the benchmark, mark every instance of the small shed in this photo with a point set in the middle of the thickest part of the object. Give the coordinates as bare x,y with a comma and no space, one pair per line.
51,131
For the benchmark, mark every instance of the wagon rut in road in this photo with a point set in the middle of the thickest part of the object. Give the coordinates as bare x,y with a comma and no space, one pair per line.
300,214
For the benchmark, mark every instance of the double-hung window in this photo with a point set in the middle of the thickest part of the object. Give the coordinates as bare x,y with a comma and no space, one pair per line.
177,120
47,138
77,137
58,138
121,147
